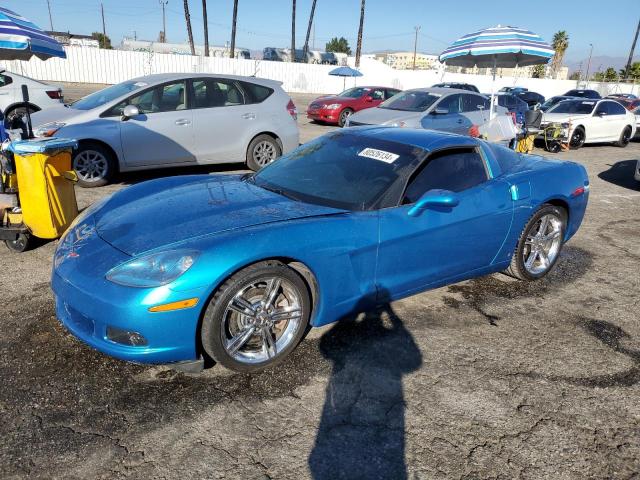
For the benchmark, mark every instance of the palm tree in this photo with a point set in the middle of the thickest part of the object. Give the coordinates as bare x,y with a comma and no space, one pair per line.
206,28
306,41
293,31
187,18
560,43
359,45
233,29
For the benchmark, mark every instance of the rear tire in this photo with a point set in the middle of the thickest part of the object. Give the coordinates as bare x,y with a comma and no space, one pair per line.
539,245
262,150
625,137
94,164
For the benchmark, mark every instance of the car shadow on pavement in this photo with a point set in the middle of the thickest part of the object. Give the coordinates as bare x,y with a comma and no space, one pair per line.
362,428
621,174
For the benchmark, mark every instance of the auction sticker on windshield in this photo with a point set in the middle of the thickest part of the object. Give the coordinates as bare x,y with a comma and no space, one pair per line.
381,155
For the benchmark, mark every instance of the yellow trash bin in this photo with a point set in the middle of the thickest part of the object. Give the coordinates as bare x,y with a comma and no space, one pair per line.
46,185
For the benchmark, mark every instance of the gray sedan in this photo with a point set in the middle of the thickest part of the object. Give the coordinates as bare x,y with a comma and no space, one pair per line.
444,109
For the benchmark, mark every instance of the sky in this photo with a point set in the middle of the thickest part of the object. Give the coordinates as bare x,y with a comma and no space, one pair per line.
389,24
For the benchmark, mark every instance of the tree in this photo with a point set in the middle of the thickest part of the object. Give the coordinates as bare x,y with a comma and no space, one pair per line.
575,75
560,43
306,41
187,18
103,40
634,72
610,75
293,30
206,28
359,44
233,29
538,71
338,45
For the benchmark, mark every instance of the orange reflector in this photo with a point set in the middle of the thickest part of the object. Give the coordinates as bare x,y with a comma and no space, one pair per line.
167,307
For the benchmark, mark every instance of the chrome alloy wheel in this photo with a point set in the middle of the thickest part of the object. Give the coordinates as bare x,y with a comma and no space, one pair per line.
90,165
261,320
264,153
542,244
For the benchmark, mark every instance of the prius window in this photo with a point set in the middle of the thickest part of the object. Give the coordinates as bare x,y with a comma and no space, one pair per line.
451,103
454,170
5,80
169,97
209,93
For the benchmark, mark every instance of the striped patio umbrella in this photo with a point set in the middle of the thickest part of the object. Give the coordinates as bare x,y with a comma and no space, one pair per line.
21,39
504,47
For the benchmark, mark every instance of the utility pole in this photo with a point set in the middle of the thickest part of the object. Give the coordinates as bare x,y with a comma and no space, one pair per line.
51,20
359,45
234,20
415,46
589,65
293,31
104,28
163,4
206,28
627,69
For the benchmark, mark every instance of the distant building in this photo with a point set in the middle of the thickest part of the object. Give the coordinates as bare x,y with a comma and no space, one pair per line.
404,60
74,40
313,56
180,48
521,72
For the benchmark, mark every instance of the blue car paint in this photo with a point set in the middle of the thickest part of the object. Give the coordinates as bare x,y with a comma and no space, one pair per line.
353,255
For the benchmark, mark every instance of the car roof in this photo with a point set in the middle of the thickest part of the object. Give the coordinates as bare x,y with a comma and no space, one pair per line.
418,137
442,90
156,78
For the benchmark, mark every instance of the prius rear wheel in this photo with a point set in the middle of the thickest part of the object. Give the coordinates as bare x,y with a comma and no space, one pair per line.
257,317
539,245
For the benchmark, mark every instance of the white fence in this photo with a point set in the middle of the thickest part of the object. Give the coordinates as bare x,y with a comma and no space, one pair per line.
90,65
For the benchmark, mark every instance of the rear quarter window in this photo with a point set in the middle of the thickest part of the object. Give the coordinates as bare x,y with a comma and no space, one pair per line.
256,93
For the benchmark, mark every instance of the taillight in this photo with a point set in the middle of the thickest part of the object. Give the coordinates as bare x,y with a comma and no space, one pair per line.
55,94
293,111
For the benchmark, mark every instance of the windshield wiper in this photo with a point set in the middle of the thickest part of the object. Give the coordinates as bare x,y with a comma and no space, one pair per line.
280,191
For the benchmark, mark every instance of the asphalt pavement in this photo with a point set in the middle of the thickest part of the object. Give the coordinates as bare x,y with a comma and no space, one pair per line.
486,379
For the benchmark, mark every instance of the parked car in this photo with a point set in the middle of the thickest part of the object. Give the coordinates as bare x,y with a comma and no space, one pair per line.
456,85
169,120
629,103
513,89
444,109
533,99
41,95
554,101
583,94
238,267
591,121
514,105
336,109
636,112
617,96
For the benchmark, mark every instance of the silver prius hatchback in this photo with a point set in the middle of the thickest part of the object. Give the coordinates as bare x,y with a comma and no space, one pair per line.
171,120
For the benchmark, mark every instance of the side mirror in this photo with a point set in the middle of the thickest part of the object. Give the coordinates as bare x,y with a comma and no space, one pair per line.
130,111
440,111
368,99
434,199
601,114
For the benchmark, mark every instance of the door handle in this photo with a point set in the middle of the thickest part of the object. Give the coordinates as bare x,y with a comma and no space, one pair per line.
183,121
249,116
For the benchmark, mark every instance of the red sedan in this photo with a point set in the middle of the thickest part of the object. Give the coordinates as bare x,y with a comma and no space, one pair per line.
629,103
336,108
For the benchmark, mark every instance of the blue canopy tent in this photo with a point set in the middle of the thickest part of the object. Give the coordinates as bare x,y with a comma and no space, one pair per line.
21,39
345,72
504,47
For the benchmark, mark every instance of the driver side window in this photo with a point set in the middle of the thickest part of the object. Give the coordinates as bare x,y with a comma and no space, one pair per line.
455,170
169,97
601,108
451,103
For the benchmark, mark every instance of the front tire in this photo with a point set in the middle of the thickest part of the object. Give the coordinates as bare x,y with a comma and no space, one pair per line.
344,114
262,150
625,137
539,245
577,139
94,164
256,318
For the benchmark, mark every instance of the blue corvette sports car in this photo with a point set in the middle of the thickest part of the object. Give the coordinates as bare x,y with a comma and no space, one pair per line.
237,267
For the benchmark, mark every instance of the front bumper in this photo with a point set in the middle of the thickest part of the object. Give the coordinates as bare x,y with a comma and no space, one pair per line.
324,115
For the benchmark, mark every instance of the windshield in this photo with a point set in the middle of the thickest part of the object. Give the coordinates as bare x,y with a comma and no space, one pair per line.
101,97
354,92
342,170
573,106
411,101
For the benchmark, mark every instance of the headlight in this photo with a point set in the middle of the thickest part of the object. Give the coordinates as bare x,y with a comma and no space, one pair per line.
333,106
48,129
153,270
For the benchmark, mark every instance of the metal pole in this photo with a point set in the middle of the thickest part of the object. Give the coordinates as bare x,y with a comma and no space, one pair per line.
415,46
51,19
293,31
633,47
104,28
588,66
163,3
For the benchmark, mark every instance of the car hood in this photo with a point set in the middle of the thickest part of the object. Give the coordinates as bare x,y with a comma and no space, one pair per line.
329,99
54,114
384,116
563,117
161,212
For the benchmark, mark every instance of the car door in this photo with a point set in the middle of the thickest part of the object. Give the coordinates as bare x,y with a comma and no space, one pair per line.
451,119
377,96
475,108
221,118
443,243
162,134
7,91
600,122
617,120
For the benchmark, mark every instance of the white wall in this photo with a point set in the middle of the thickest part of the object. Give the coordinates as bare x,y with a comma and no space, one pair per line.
90,65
